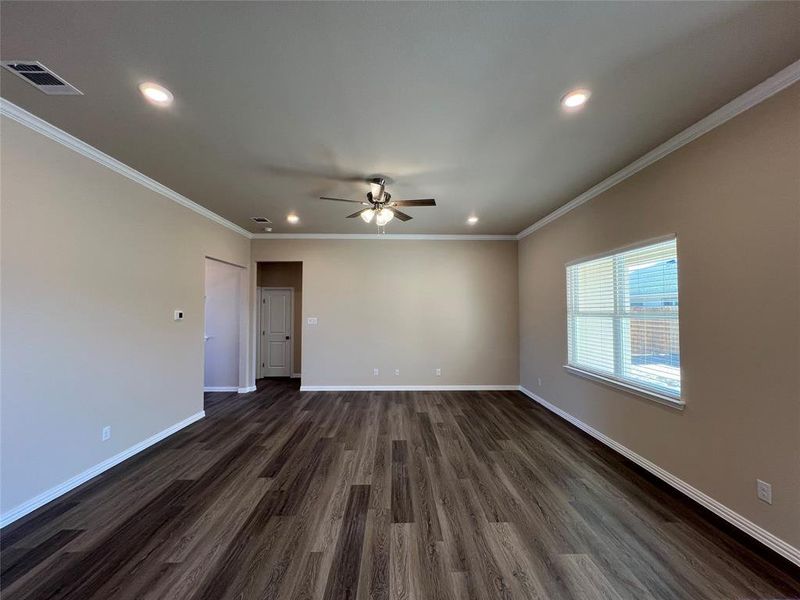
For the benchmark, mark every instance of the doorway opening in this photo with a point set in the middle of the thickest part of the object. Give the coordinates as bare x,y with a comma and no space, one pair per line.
223,326
279,349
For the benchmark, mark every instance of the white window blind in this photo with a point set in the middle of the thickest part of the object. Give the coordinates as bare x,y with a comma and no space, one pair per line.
622,318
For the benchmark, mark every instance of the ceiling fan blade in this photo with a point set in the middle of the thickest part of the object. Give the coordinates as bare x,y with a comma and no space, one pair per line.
357,213
341,200
330,174
422,202
401,215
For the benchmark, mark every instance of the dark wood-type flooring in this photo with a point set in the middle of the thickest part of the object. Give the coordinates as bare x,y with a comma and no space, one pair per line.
378,495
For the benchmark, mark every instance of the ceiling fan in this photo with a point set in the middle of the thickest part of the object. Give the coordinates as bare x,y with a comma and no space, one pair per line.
380,205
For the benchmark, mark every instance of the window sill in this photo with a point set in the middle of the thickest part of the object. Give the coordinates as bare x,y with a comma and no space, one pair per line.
654,396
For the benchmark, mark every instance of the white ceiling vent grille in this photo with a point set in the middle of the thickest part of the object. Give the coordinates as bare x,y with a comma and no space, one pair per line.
41,77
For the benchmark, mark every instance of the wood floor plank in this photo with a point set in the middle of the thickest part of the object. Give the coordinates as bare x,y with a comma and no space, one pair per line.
402,506
13,569
378,548
16,533
344,574
514,561
305,585
585,580
289,495
253,533
402,580
90,570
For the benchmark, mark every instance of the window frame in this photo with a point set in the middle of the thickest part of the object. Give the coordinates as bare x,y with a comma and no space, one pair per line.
625,385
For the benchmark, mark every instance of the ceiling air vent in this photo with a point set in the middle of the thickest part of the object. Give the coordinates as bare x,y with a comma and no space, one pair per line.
261,220
40,76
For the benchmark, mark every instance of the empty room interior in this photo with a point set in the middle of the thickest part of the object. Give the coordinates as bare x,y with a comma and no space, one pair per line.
400,300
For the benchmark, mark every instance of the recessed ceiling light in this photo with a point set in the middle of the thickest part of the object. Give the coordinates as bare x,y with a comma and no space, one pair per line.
156,94
472,220
575,98
293,219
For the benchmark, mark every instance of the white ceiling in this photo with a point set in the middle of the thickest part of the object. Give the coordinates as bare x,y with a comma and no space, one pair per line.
457,101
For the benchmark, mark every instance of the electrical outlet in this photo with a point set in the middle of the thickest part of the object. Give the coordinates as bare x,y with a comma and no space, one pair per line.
397,371
539,381
438,372
106,432
764,491
375,371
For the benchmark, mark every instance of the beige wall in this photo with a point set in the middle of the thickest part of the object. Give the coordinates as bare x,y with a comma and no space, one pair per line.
287,274
409,305
733,198
93,266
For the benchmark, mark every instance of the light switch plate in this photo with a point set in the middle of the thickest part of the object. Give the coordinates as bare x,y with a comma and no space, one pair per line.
179,315
312,321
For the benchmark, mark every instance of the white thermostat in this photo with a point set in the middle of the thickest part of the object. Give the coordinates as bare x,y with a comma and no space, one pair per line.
179,315
311,320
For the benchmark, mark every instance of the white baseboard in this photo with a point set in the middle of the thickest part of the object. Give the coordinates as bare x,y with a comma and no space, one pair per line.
404,388
240,390
295,375
59,490
762,535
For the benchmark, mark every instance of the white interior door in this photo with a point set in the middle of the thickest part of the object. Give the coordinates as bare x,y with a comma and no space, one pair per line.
222,325
276,332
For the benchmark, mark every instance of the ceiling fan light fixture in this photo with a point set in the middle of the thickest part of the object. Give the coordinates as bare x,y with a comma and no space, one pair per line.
383,216
380,207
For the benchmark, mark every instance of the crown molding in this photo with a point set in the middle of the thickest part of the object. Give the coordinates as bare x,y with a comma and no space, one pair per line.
22,116
377,236
738,105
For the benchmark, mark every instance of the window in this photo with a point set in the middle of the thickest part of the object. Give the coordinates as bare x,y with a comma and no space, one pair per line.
622,319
